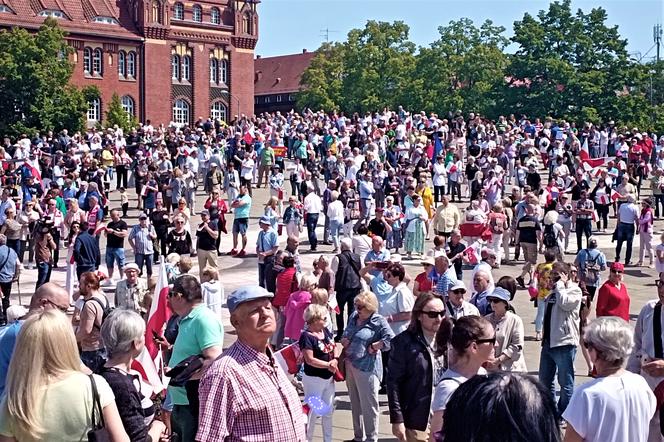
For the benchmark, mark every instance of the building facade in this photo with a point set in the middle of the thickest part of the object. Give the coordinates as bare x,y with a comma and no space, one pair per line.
277,81
170,61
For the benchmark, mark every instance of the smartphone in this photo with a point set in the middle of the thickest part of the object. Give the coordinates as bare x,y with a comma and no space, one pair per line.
381,265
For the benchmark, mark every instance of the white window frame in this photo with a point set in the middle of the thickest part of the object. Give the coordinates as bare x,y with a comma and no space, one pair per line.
128,104
131,64
215,16
94,110
218,110
175,67
178,11
214,71
105,20
87,61
197,13
52,13
223,71
122,64
186,68
98,62
181,112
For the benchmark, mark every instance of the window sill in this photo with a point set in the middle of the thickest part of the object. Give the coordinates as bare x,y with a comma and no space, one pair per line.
128,79
93,77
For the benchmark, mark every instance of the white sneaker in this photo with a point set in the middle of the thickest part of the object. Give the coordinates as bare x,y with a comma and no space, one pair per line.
107,282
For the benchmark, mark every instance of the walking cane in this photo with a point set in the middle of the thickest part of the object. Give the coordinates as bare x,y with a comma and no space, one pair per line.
18,286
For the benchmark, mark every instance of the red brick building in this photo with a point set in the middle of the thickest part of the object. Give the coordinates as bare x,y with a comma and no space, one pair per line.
277,81
168,60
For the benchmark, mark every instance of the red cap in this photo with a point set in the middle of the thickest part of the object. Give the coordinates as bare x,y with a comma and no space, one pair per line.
617,266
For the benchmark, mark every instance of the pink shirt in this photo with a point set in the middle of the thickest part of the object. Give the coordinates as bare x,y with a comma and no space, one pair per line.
294,312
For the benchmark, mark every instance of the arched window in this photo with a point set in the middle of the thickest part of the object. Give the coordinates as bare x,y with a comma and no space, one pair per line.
214,71
218,111
215,16
178,11
224,71
87,60
97,64
131,64
186,68
197,13
180,112
246,24
156,12
94,110
128,104
122,63
175,67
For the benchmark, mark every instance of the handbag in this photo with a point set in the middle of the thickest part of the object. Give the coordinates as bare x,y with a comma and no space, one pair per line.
98,433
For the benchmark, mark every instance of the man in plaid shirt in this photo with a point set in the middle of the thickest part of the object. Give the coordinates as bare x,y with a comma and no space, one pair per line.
244,395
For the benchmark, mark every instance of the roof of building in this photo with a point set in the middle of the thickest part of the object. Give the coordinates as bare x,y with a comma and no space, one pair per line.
281,74
74,16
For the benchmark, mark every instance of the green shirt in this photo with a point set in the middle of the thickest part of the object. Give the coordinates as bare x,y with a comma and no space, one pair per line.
199,330
267,156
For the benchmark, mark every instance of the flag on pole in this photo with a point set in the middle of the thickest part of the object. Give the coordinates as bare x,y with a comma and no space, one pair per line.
150,363
473,252
288,358
34,172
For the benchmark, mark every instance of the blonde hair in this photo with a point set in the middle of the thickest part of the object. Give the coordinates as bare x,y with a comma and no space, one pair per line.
185,264
314,312
319,296
308,282
368,301
45,348
211,273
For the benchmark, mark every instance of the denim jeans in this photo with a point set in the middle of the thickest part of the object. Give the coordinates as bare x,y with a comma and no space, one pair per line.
583,227
624,233
43,274
560,359
312,222
113,255
335,232
147,259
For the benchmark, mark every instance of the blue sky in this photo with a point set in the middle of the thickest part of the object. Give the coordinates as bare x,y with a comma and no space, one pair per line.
288,26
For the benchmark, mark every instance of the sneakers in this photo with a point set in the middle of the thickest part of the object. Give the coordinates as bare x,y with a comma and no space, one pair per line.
241,254
520,281
233,252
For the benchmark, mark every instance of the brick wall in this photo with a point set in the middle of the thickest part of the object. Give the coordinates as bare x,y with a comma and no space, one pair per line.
242,82
157,96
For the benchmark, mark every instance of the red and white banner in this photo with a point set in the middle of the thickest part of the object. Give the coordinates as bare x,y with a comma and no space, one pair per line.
150,363
288,358
473,253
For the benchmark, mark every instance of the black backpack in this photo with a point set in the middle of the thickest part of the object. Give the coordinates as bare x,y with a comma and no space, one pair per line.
106,310
550,239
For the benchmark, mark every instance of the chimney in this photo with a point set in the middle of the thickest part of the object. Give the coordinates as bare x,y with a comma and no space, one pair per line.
304,51
258,76
258,56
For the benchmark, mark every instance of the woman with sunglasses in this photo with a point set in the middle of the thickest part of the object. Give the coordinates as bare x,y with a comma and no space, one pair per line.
414,369
471,340
508,352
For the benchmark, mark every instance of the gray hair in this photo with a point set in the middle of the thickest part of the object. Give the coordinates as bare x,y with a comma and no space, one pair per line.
120,330
551,217
313,312
611,337
346,244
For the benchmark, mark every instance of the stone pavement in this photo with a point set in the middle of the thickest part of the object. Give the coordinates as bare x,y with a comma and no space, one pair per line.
237,272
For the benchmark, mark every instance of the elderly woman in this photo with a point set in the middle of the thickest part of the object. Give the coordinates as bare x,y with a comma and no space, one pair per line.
415,226
296,304
553,235
317,346
414,370
618,405
46,395
392,214
366,334
508,351
123,333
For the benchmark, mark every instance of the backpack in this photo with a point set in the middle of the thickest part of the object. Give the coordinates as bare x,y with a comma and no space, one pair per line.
106,310
550,239
592,268
497,227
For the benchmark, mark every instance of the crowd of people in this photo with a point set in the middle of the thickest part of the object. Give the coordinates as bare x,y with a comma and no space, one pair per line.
407,204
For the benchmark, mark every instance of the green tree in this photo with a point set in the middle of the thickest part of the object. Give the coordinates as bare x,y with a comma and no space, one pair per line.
34,76
321,81
117,116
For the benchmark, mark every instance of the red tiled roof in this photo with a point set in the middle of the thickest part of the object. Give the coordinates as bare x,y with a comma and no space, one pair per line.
280,74
79,16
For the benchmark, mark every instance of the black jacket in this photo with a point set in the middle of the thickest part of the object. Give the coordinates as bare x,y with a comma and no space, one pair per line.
347,279
410,381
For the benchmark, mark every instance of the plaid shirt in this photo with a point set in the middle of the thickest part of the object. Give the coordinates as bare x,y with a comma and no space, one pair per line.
244,397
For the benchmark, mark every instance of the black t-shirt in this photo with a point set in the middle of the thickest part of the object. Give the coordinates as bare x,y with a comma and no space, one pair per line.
377,228
205,240
179,243
323,350
114,241
528,226
455,249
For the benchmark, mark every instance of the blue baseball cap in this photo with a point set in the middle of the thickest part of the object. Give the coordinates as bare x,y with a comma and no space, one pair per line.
246,294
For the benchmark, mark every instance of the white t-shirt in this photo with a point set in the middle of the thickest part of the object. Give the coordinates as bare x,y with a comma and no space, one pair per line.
448,385
401,300
613,408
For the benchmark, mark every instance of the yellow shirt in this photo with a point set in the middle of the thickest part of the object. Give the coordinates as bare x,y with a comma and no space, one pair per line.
107,158
427,200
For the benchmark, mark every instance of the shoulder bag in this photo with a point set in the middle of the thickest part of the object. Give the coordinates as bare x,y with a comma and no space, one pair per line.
98,433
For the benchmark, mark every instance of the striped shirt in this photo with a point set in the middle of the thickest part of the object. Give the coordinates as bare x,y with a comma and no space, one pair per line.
141,238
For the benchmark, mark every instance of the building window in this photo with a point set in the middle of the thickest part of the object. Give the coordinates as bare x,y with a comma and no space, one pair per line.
180,112
55,13
186,68
247,27
278,98
156,13
197,13
97,63
175,67
106,20
214,70
267,99
131,64
178,11
291,97
218,111
87,60
5,8
128,105
94,110
215,16
122,63
224,71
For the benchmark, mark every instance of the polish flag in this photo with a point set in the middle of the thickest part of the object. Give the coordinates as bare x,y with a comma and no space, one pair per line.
614,195
288,358
584,155
35,172
473,252
150,363
604,199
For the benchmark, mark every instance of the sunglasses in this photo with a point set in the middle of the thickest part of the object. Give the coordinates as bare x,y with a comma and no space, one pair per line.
434,314
491,341
459,292
62,308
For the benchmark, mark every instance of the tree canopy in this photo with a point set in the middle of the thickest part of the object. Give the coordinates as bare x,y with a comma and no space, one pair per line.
563,64
35,93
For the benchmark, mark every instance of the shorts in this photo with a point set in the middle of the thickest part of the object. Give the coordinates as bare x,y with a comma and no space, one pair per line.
114,254
240,225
